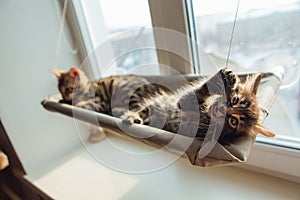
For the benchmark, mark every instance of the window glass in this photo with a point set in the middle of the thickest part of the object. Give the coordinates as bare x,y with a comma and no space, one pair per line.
125,26
266,36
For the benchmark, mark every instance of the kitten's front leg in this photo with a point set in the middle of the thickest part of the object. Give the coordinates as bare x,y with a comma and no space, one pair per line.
222,83
128,116
131,117
230,80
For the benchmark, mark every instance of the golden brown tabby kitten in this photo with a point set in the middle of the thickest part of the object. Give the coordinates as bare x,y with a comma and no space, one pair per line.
227,108
224,105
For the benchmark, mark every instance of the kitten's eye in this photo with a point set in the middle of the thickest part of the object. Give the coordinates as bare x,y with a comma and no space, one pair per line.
145,111
235,100
69,90
233,121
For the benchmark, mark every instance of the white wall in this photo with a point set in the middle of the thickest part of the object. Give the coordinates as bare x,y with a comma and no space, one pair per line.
28,41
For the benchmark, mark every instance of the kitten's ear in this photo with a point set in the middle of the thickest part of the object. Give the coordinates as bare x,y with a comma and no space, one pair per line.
256,82
263,130
57,72
74,72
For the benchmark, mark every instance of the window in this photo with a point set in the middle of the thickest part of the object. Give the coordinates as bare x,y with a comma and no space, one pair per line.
265,37
115,36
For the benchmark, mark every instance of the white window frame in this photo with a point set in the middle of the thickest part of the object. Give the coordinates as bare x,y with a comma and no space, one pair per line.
276,160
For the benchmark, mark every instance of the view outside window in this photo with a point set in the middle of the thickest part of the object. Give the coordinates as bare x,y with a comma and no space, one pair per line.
125,30
266,36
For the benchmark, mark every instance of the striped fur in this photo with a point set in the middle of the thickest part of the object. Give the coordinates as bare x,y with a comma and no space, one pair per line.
113,95
221,102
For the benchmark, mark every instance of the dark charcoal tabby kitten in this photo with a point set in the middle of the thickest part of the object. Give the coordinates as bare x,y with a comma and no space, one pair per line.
102,95
114,95
227,106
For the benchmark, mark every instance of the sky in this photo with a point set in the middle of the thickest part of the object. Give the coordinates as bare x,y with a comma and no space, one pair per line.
124,13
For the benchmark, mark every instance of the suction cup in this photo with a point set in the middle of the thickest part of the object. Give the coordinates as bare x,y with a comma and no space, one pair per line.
286,66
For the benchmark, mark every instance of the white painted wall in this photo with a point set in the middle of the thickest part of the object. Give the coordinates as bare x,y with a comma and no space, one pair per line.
28,41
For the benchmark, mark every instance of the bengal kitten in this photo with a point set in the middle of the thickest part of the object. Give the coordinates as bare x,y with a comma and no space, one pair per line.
114,95
226,105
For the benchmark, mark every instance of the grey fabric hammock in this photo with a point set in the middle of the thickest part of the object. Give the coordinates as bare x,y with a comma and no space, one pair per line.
236,151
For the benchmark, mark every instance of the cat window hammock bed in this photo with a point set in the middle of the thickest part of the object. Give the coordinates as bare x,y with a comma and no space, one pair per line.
236,151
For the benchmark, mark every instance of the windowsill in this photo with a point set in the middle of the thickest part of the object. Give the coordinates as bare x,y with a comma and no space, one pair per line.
81,176
279,121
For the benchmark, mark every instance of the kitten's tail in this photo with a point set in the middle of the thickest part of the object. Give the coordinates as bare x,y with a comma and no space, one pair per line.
263,130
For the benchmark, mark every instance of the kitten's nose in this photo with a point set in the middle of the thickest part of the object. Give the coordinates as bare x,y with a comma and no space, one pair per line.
137,121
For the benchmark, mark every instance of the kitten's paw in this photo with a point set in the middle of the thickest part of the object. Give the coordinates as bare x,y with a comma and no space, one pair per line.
229,79
228,76
132,117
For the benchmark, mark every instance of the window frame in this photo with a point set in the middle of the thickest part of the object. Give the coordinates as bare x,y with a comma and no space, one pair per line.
265,158
171,14
86,56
